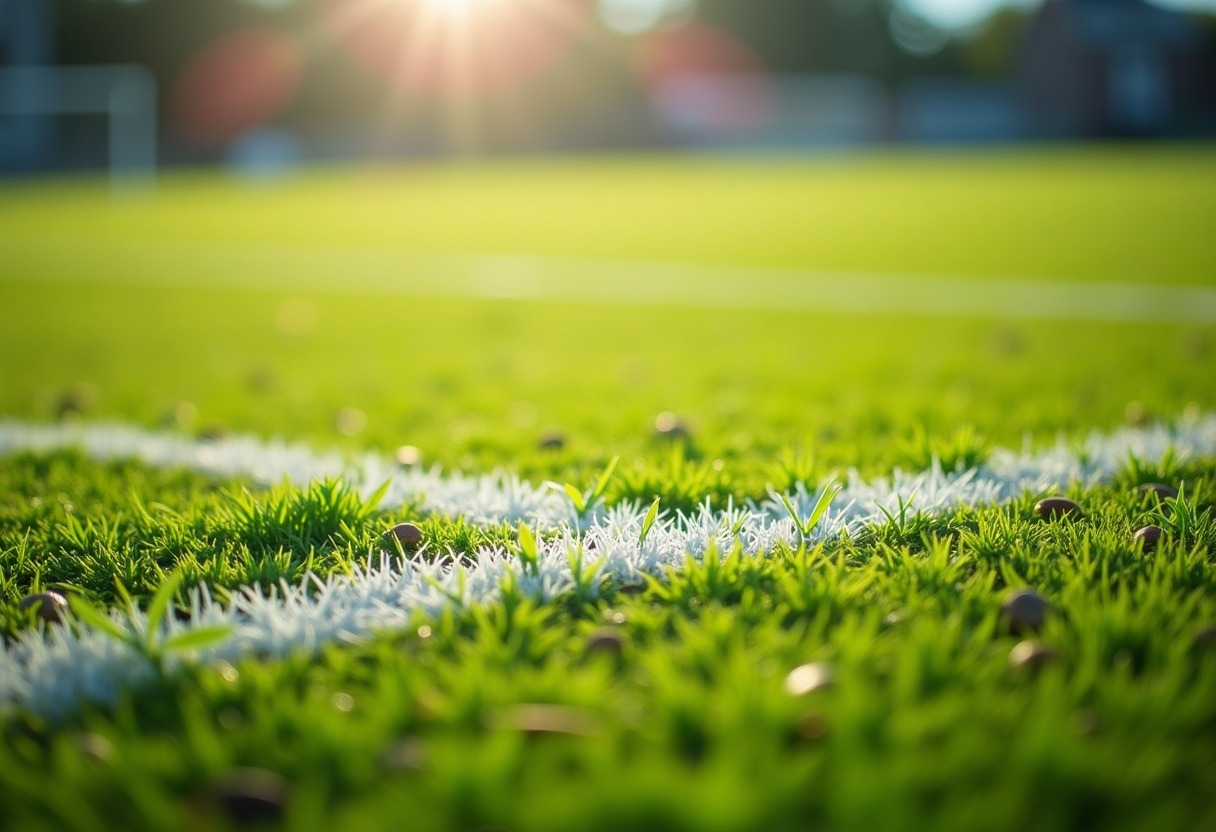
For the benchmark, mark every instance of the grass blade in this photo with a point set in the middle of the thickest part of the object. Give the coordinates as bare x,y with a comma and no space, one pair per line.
200,637
161,600
576,497
373,502
97,619
651,516
527,546
821,506
601,483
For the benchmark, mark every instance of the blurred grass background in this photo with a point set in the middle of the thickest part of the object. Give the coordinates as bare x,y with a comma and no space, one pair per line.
105,310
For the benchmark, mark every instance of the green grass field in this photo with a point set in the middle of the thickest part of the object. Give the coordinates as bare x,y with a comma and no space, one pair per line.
368,309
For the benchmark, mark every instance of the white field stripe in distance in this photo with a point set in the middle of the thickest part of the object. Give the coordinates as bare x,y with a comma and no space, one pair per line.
382,271
50,670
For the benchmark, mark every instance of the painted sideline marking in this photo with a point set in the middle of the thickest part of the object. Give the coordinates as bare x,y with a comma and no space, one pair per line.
294,268
51,670
503,498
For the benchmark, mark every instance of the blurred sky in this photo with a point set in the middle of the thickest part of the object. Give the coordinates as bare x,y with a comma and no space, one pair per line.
960,13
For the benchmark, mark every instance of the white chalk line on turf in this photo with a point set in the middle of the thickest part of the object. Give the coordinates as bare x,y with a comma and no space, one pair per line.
382,271
50,671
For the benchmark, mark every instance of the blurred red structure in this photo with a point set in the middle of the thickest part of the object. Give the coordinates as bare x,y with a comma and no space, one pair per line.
702,78
235,84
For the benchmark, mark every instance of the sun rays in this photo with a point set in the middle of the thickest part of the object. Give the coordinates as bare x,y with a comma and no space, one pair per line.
455,52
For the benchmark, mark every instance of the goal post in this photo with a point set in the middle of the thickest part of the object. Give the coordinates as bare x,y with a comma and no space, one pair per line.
124,93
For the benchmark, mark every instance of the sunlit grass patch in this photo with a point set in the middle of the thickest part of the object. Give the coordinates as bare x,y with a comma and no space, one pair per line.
677,622
478,713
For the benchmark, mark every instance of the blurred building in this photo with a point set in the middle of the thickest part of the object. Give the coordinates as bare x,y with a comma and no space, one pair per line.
1093,68
265,85
959,111
26,39
772,112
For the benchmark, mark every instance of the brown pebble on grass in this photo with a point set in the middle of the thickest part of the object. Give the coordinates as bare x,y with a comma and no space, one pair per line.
251,795
1031,655
812,726
1024,610
213,432
404,754
605,642
668,425
1148,537
75,401
541,720
1050,508
1204,637
94,748
48,606
407,534
1159,490
409,455
553,440
1086,723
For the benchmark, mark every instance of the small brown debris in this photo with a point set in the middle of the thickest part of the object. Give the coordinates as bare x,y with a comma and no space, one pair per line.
1204,637
1086,722
251,795
812,726
405,754
261,378
75,401
1031,655
553,440
1159,490
48,606
213,432
407,534
538,720
606,643
182,415
1052,507
809,678
409,455
1023,611
95,748
669,426
1147,537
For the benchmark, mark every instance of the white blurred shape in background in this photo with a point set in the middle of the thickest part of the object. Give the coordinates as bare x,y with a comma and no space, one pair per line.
264,155
632,17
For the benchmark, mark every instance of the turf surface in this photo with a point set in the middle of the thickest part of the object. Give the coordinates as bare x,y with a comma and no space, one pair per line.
1138,214
927,724
671,708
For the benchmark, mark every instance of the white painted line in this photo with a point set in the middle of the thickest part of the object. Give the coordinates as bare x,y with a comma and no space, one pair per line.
50,671
328,269
500,497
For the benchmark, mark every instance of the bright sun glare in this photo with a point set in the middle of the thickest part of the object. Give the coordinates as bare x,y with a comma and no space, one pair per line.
456,5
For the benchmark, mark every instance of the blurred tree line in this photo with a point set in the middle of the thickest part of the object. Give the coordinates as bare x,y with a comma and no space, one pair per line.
591,95
787,35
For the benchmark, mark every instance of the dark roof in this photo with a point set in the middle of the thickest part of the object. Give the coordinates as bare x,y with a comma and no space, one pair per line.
1120,24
